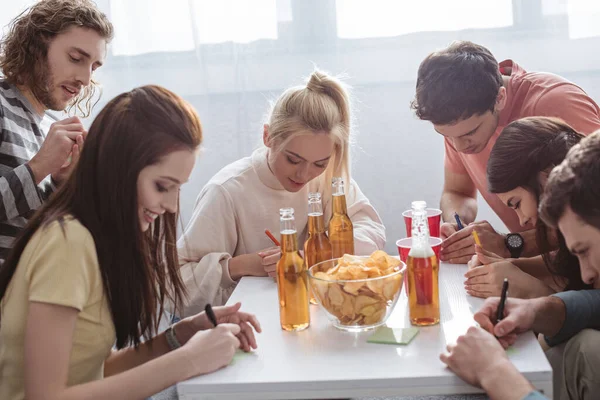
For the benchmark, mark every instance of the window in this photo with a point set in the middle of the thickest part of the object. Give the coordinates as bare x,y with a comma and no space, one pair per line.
384,18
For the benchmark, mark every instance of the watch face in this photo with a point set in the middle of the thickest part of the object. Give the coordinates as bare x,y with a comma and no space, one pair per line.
515,241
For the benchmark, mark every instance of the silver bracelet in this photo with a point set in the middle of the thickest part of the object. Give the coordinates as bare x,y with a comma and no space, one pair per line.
171,338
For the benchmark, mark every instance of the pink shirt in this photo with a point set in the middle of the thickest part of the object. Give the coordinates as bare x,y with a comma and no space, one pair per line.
528,94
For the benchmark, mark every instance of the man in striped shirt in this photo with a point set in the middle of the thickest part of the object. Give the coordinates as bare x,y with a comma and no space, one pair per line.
47,59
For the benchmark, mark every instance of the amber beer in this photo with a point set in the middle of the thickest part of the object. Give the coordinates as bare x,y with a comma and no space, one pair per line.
317,247
423,294
341,232
423,272
292,283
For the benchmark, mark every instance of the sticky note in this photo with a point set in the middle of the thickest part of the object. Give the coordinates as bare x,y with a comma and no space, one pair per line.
241,354
511,351
386,335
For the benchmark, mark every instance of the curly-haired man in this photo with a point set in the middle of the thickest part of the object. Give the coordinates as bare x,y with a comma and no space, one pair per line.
47,60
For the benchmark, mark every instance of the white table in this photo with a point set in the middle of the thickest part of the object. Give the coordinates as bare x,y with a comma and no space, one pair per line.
324,362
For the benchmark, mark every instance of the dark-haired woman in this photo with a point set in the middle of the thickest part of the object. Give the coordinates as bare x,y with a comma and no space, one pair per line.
96,263
523,156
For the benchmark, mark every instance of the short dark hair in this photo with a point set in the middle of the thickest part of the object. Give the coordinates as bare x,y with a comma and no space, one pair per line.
574,183
456,83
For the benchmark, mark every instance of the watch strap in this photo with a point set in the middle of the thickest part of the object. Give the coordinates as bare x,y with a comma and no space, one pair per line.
171,338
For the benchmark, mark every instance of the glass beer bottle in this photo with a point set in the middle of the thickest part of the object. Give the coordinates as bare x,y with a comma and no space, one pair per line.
292,283
317,247
423,272
341,232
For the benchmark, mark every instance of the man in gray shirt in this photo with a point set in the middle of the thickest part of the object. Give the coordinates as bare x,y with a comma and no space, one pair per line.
47,59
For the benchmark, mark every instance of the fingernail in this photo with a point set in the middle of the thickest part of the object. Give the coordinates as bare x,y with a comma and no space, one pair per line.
501,331
260,253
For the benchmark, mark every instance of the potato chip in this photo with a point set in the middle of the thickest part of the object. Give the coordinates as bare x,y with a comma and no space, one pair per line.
344,274
348,306
392,262
352,287
368,310
362,302
375,317
380,258
357,272
374,272
376,286
335,295
392,286
334,270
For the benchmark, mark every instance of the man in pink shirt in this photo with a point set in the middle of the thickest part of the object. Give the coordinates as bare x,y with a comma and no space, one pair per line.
470,98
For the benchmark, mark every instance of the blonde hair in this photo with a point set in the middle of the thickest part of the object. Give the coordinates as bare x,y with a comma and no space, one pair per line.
323,104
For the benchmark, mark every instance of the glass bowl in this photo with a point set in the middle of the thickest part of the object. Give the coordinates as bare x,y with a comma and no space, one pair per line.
356,304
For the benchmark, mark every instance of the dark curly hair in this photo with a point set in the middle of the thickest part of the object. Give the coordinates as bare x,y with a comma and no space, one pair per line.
27,40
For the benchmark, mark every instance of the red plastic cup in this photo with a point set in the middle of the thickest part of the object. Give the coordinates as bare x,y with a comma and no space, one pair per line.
434,219
404,246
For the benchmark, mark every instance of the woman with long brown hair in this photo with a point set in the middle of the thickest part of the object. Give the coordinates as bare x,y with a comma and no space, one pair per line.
522,158
97,262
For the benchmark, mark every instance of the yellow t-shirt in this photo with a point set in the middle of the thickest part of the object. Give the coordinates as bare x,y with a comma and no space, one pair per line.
58,266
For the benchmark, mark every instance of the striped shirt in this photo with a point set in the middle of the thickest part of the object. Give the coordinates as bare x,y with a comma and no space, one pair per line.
22,132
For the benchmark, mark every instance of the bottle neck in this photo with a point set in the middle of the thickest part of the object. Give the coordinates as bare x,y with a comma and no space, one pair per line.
289,241
420,229
316,223
339,204
287,224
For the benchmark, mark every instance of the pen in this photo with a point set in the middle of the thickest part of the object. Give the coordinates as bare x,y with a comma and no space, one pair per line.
210,314
273,239
458,222
500,312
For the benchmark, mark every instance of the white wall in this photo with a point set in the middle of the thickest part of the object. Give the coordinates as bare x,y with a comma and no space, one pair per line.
398,158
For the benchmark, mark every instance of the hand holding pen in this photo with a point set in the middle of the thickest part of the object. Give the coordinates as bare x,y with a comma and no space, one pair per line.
213,317
516,316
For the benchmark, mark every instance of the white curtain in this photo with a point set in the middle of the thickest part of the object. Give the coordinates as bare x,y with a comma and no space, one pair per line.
230,57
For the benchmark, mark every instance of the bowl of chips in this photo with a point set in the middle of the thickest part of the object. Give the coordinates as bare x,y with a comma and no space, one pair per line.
358,293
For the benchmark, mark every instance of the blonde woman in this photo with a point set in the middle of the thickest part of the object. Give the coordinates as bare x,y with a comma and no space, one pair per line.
306,143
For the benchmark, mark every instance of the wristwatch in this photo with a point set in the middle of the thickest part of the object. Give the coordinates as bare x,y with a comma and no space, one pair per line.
514,243
171,338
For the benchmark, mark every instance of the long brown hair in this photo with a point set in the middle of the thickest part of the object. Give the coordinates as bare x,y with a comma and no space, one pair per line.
139,269
526,148
24,49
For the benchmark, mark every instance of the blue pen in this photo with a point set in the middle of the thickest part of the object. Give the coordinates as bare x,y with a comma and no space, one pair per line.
460,225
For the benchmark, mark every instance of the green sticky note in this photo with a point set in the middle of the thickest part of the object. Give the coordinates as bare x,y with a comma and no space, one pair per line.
241,354
386,335
511,351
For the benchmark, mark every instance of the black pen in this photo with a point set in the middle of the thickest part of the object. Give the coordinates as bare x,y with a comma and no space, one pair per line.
211,314
458,223
500,312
